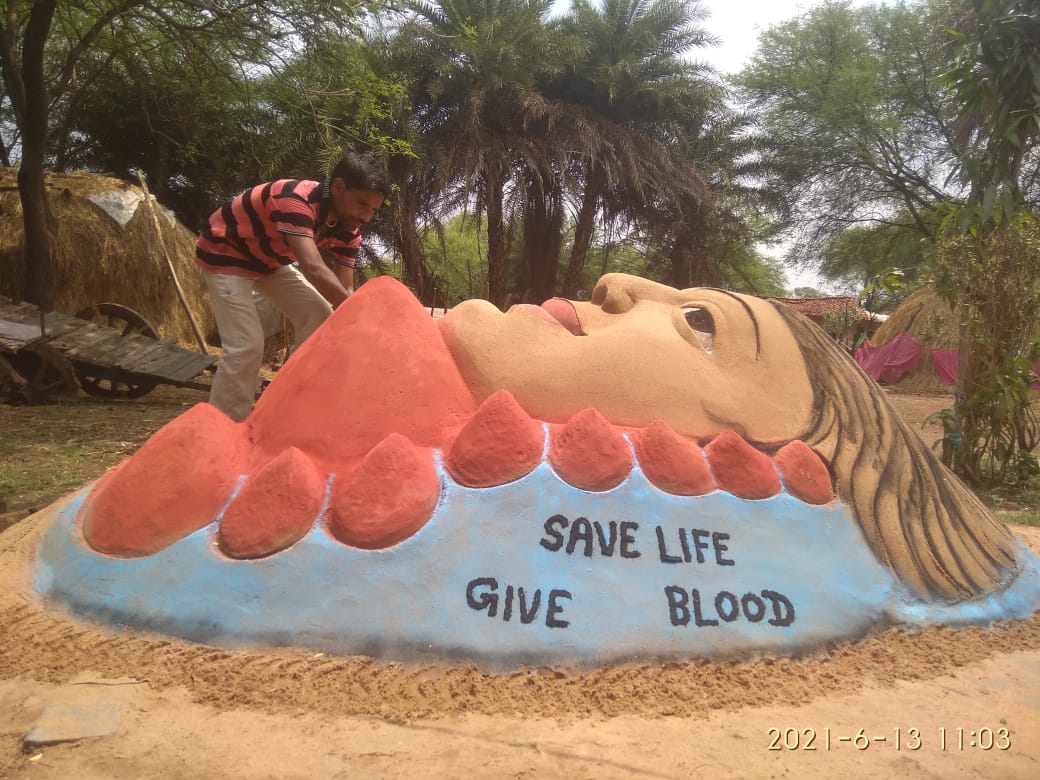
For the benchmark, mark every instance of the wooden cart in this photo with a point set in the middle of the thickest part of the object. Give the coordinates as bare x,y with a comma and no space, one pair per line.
107,350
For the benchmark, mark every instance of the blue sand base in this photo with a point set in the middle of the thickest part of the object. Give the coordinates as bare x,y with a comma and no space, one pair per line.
533,572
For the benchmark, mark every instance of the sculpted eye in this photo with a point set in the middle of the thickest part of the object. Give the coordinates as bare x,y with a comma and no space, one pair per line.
702,324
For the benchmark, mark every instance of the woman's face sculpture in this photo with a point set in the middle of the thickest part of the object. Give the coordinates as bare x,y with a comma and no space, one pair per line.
702,360
390,430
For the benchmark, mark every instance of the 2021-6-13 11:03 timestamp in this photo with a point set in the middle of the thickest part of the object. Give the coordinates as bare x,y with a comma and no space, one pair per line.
943,739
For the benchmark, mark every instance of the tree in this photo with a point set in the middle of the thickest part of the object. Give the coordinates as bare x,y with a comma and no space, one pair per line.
477,85
994,79
806,292
457,252
858,133
42,43
994,266
196,130
865,257
639,95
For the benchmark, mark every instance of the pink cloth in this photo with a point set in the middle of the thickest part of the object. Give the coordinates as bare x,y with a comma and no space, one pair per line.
944,361
892,361
901,356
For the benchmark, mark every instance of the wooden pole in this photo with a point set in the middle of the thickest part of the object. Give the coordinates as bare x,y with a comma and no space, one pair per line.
169,264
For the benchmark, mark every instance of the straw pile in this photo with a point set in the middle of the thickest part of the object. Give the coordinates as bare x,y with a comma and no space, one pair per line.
928,319
97,260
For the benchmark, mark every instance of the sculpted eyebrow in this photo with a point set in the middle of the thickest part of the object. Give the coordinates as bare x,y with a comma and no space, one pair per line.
751,316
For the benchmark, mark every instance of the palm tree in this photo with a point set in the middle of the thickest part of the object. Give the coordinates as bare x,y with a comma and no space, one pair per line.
478,97
639,94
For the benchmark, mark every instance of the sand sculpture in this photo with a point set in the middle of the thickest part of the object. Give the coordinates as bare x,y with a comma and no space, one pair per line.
654,473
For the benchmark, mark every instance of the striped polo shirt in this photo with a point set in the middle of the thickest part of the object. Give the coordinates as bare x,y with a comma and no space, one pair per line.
246,237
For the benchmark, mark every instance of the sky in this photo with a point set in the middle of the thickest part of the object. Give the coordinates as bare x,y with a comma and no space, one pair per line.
738,23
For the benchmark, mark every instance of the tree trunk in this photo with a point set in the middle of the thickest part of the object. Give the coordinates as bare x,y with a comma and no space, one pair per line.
542,239
415,269
39,264
583,230
494,184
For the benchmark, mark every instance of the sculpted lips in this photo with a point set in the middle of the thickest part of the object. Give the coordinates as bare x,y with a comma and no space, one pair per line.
557,310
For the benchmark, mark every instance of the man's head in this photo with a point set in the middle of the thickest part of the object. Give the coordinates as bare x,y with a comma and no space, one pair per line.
358,186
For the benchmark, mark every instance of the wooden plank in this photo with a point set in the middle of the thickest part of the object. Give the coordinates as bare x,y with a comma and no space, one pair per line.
86,334
20,312
176,367
110,351
11,347
18,334
61,324
57,323
136,352
90,345
193,368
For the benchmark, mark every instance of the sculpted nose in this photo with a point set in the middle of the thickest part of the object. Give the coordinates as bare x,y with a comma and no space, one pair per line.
613,293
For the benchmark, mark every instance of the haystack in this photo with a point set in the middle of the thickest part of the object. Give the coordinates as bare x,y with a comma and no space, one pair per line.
98,259
928,319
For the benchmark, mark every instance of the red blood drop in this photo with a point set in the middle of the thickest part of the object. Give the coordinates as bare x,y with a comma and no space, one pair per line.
590,453
274,509
671,462
499,444
805,474
740,469
174,485
387,498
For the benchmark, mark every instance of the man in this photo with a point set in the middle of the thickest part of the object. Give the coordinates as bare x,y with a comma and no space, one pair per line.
250,245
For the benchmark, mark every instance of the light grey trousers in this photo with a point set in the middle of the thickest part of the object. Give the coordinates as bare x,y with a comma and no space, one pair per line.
242,333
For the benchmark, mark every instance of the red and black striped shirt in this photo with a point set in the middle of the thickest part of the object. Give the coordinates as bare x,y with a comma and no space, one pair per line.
246,237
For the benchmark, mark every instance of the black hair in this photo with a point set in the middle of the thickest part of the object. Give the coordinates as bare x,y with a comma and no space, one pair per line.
362,172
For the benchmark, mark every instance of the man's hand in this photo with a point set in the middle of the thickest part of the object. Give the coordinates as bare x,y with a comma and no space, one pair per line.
316,272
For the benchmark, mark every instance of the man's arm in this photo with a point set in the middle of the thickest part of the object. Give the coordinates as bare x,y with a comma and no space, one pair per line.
316,272
345,274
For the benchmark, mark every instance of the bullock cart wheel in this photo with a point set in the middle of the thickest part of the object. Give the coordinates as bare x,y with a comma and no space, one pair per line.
102,384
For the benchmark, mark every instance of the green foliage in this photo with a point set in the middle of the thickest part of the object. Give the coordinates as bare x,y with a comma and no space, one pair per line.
885,290
858,134
805,292
885,261
994,278
458,259
994,77
989,259
745,270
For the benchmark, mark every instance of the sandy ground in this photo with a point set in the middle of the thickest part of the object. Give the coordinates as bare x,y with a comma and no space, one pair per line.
933,703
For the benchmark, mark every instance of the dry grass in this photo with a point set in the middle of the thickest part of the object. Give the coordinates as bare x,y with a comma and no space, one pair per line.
98,261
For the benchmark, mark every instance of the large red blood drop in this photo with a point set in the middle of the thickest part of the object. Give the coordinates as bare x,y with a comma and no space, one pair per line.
590,453
274,509
805,474
671,462
501,443
387,498
174,485
740,469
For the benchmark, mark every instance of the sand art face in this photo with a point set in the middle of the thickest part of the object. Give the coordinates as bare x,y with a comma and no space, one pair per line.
702,360
654,473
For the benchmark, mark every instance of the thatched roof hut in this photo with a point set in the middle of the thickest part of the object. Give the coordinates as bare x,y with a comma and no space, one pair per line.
928,319
109,249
